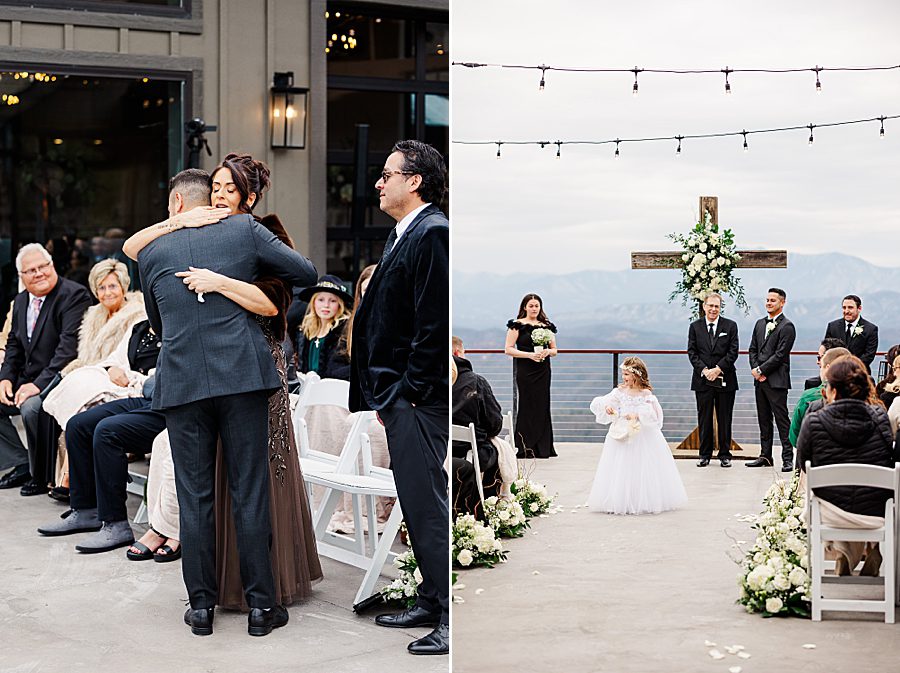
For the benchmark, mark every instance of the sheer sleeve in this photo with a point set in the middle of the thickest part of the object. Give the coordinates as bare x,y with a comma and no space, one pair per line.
599,404
651,413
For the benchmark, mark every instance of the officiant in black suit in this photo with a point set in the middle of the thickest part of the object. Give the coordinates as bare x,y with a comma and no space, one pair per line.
770,363
399,367
858,334
713,350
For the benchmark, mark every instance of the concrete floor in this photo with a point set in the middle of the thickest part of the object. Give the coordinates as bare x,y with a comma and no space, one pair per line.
61,610
627,593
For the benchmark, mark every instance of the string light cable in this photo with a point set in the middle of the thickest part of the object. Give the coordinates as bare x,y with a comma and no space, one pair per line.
679,138
668,71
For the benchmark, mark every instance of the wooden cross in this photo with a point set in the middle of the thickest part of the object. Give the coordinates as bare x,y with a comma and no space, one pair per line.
750,259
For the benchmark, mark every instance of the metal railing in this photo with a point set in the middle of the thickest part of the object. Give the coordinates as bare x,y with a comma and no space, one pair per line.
581,375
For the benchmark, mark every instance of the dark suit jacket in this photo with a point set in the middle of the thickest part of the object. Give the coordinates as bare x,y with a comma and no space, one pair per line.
54,342
773,354
863,346
214,348
401,332
723,353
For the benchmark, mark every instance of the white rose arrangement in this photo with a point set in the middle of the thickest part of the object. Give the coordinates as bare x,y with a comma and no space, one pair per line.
475,544
708,264
774,576
532,496
506,517
857,330
405,588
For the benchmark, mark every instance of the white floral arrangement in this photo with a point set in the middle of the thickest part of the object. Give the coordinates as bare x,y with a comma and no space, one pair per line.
708,264
541,337
857,330
475,544
774,576
506,517
532,496
406,587
770,327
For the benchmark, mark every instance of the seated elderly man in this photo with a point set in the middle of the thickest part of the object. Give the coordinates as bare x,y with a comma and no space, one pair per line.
811,399
42,341
98,440
474,402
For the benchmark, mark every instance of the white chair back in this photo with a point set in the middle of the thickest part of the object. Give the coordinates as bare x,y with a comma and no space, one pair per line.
461,433
317,392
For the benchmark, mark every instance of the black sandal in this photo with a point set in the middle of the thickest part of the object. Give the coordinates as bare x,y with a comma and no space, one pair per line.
169,555
144,552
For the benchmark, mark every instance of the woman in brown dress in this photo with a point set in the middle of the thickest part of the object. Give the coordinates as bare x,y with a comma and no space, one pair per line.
237,184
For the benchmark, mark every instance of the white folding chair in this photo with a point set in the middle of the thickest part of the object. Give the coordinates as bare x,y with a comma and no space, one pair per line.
852,474
460,433
367,482
509,428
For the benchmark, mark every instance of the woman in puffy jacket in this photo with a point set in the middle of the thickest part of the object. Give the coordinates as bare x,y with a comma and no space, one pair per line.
852,427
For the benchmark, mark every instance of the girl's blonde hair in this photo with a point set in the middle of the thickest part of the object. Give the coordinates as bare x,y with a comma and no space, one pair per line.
636,366
312,324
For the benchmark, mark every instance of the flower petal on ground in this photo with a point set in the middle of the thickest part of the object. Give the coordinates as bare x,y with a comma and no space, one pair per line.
479,591
734,669
715,654
744,655
459,599
458,586
538,572
709,643
809,646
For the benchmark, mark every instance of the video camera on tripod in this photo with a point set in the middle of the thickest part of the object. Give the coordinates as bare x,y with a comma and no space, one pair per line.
196,129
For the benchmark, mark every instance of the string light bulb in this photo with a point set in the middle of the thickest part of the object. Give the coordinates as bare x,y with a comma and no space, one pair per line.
817,70
616,155
543,72
746,147
678,149
881,132
558,148
498,150
727,72
634,89
811,127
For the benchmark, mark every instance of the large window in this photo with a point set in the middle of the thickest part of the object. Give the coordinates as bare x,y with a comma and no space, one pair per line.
172,8
387,70
84,161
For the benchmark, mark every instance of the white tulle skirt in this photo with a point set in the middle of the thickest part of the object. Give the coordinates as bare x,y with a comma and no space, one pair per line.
637,476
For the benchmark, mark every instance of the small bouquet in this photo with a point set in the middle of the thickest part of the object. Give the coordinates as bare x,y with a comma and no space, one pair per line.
531,496
541,338
774,577
406,587
506,517
475,544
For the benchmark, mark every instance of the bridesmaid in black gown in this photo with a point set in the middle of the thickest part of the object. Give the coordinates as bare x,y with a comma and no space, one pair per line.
534,429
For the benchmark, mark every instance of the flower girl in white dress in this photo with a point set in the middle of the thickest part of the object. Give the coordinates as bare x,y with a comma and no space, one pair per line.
636,473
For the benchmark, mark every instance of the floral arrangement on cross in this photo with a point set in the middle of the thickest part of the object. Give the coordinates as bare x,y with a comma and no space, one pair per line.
707,264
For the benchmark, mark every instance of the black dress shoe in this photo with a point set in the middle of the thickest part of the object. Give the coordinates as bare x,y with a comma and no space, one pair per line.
200,620
725,462
415,616
762,461
703,462
260,622
436,642
787,466
15,477
60,493
33,488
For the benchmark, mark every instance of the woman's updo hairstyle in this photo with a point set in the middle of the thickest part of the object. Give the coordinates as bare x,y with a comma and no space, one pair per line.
849,379
250,177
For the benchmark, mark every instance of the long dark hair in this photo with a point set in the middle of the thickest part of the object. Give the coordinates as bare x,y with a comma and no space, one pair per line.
357,297
250,177
542,317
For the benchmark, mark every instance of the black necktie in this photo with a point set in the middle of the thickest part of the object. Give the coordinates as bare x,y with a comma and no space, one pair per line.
847,334
712,334
389,244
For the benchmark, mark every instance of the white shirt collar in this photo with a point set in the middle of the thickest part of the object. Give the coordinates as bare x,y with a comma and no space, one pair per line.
403,224
853,324
714,323
31,299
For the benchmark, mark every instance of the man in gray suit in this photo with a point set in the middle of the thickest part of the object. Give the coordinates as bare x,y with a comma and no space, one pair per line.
214,379
770,364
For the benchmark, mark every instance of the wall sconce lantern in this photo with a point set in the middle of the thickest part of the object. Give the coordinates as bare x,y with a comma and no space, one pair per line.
288,113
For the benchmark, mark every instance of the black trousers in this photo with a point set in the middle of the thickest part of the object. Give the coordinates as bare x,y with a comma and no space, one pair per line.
722,402
417,442
772,402
242,421
464,489
97,441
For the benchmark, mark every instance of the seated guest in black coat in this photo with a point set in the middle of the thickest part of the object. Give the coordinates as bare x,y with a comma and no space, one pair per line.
859,335
888,389
852,427
826,345
97,441
321,340
43,339
474,402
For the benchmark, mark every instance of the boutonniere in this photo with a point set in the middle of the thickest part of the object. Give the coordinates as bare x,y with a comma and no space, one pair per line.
770,327
857,330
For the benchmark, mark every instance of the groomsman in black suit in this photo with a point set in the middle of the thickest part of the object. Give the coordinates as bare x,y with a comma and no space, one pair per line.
400,366
713,350
770,364
858,334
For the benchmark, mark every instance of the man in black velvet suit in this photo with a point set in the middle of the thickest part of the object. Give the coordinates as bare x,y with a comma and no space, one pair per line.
713,350
399,367
770,364
858,334
43,340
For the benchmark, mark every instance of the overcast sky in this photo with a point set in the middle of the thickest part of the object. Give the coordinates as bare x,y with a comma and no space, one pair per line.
528,210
